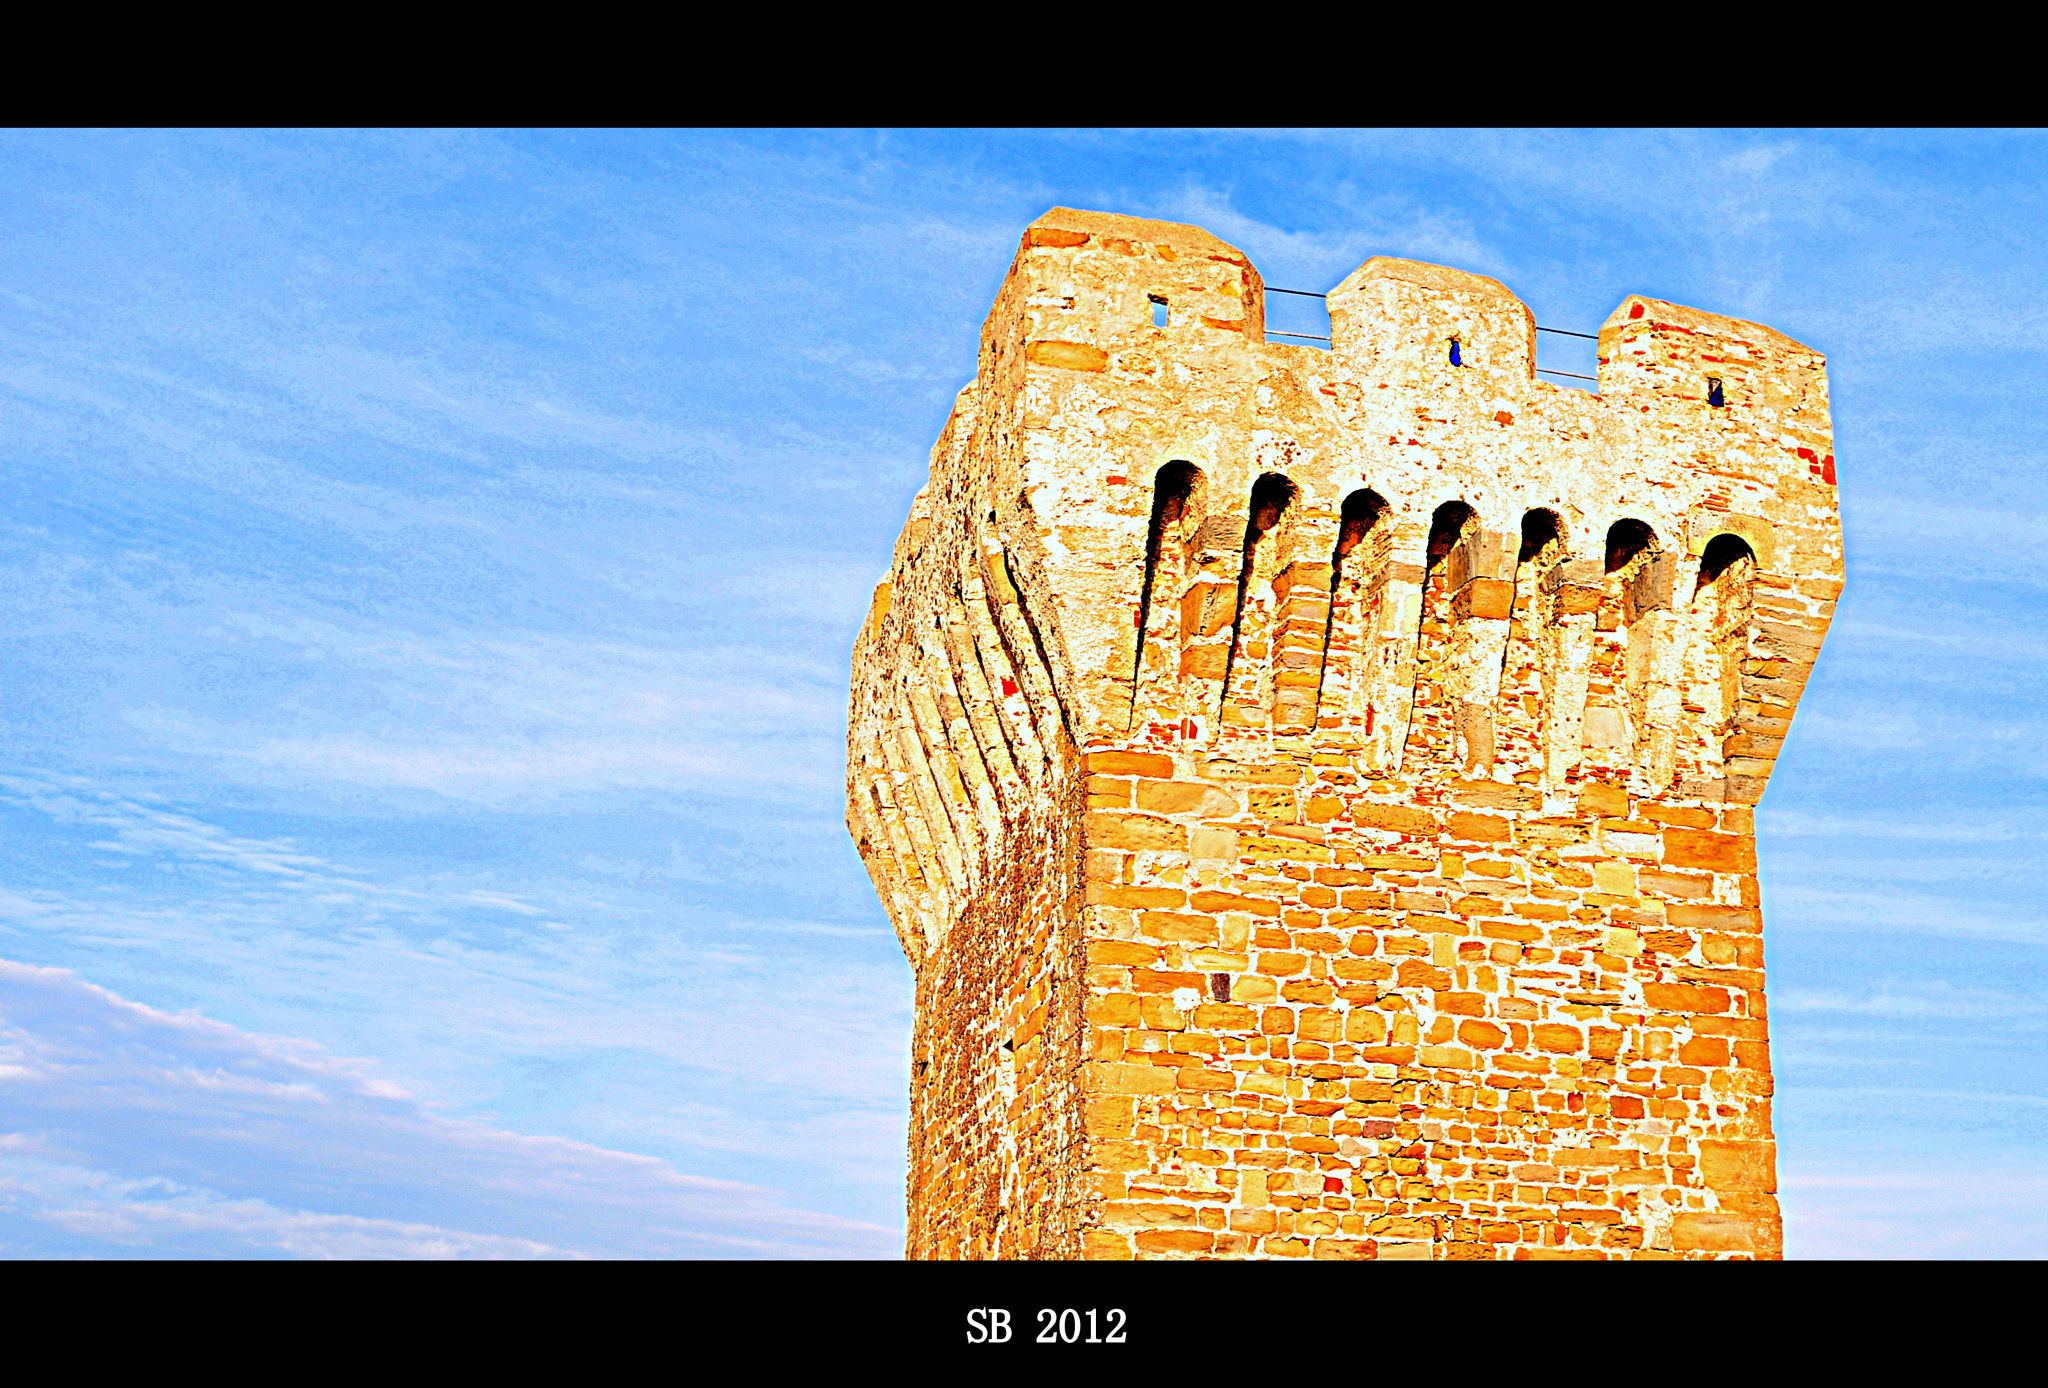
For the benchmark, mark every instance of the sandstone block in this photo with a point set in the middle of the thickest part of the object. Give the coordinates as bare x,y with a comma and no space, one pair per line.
1727,1165
1184,797
1484,597
1069,356
1595,1156
1130,1214
1707,1052
1480,827
1113,1010
1103,894
1679,997
1602,800
1133,1079
1106,1245
1178,925
1166,981
1700,848
1108,829
1732,918
1116,763
1223,1016
1401,819
1402,1228
1344,1250
1713,1233
1219,902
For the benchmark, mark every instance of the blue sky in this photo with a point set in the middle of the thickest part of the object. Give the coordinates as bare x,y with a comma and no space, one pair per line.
431,563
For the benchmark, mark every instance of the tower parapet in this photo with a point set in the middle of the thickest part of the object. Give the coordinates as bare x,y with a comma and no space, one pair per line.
1314,787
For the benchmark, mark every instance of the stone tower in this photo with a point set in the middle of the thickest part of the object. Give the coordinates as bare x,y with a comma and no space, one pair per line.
1314,788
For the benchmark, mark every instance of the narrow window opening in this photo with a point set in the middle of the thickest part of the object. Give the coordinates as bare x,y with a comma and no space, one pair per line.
1456,347
1219,987
1160,311
1270,497
1714,396
1431,729
1722,552
1362,511
1625,540
1540,531
1172,488
1446,528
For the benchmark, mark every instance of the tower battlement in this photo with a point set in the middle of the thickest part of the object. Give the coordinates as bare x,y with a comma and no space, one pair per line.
1314,786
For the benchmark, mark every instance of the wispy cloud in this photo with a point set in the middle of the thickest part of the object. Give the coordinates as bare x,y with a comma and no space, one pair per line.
1796,824
1978,1206
709,1034
1935,998
151,1127
1895,908
1954,542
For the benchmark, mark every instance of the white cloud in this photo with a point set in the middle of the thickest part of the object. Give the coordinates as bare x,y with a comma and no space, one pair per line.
719,1033
1916,535
141,828
1915,998
109,1216
528,717
1973,1206
1897,909
1782,824
147,1127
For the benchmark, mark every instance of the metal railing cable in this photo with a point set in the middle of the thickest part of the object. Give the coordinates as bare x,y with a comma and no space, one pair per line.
1315,337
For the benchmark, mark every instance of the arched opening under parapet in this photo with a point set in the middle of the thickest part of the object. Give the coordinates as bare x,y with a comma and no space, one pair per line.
1715,632
1358,574
1363,510
1174,489
1722,554
1542,537
1520,711
1624,651
1446,527
1271,495
1438,673
1625,540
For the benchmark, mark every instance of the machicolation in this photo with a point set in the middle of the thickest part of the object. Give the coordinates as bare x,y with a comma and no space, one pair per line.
1314,787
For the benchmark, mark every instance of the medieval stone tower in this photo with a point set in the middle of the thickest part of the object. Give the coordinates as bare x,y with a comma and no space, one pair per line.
1314,788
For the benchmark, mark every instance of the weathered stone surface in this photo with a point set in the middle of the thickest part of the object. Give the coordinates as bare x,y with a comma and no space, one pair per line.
1313,787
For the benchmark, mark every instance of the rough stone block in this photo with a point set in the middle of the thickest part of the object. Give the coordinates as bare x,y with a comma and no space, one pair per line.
1698,848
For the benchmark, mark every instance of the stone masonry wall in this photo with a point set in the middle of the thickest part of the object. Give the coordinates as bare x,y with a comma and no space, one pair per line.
1314,788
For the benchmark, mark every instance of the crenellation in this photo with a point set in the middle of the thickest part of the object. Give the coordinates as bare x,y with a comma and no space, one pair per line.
1313,787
